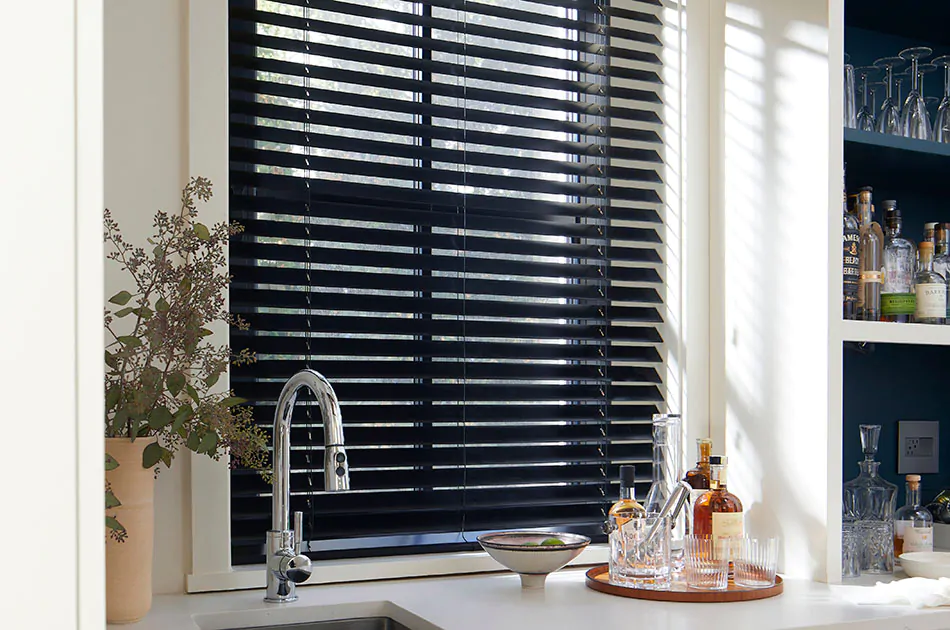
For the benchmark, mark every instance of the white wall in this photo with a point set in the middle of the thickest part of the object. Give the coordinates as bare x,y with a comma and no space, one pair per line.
770,294
146,157
51,274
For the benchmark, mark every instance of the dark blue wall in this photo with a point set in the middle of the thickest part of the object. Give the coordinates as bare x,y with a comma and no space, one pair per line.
884,383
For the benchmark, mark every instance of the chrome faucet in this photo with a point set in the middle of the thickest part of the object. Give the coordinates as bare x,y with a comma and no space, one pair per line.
286,567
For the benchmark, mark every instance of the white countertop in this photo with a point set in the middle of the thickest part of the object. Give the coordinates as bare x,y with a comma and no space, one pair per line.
497,602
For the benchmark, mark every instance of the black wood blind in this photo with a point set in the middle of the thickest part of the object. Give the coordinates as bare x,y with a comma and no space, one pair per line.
452,211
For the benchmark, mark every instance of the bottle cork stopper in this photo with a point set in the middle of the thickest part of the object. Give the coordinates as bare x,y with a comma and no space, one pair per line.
913,478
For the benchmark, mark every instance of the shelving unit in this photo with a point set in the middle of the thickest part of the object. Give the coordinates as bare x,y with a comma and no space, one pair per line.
889,373
888,332
895,158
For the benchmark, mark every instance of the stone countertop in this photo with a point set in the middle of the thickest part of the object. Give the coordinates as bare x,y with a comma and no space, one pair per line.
497,602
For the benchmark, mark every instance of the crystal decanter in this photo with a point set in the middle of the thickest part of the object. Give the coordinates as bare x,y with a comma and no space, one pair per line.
667,471
869,502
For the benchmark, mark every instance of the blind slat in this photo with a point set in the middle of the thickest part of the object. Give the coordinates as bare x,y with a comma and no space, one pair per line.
453,210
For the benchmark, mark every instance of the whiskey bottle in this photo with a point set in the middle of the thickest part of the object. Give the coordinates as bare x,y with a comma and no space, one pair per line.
931,289
871,254
942,257
698,479
718,512
851,266
913,524
621,512
930,232
900,260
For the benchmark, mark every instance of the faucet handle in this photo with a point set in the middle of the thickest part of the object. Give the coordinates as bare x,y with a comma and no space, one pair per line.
298,531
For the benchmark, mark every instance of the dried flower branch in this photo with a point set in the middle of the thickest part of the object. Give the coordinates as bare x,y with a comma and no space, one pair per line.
161,365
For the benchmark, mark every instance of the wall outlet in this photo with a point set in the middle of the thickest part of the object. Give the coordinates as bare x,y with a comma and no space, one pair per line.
918,444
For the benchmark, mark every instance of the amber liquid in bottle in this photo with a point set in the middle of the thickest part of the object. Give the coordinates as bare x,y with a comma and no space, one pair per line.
698,477
718,513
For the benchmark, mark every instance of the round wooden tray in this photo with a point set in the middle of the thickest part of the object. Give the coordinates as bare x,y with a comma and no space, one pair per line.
597,579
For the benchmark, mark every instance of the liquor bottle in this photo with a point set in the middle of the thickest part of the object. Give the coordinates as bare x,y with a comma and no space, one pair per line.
930,232
871,253
913,524
851,264
621,512
698,476
667,471
868,505
942,257
900,260
718,512
939,508
931,289
698,479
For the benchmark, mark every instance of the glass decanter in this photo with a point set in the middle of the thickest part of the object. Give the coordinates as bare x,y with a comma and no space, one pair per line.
667,471
869,502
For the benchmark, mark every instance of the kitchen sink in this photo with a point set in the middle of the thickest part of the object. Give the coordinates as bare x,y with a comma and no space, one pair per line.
366,623
343,616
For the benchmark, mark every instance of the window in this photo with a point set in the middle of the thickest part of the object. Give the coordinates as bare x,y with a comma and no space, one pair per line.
453,211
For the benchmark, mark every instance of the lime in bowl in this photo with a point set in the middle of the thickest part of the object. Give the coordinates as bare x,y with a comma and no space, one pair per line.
533,555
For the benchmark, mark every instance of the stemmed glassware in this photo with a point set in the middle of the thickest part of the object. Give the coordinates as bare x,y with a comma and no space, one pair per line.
850,110
865,118
915,122
941,128
875,87
889,118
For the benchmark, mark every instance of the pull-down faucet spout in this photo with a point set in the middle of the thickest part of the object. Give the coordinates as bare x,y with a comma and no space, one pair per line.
286,566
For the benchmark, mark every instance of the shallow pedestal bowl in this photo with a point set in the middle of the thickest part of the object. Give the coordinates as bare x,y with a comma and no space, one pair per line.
523,553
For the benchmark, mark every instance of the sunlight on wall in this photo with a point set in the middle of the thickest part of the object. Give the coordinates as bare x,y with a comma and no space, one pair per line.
775,200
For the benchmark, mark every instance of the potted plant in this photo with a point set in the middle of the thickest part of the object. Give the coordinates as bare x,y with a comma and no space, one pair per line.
161,382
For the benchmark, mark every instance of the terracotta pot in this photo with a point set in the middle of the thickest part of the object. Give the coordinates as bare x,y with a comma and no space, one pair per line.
129,563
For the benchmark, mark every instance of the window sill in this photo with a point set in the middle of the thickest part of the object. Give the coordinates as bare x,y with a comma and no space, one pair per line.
369,569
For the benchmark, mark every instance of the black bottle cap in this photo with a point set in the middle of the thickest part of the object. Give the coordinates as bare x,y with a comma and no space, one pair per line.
716,460
628,475
890,205
865,189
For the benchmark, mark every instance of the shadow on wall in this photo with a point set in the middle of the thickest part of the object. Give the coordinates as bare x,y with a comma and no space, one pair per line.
775,195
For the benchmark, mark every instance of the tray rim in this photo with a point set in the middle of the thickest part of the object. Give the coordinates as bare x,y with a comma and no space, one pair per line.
732,594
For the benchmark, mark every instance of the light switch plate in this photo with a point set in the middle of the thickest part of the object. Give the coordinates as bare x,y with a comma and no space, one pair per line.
918,446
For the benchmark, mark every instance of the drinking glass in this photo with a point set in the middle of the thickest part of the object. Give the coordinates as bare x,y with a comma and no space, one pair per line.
646,562
932,102
877,553
865,120
915,122
889,118
874,87
851,549
850,111
941,128
756,562
706,563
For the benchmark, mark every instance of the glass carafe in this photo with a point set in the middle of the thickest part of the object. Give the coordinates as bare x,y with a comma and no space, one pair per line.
868,507
667,471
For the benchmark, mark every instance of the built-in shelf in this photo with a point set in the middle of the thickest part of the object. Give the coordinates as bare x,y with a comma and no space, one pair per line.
888,332
903,146
879,159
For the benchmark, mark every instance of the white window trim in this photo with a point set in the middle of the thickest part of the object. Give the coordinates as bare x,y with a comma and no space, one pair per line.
686,250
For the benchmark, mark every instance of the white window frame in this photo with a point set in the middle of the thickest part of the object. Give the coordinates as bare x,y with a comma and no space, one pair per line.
686,250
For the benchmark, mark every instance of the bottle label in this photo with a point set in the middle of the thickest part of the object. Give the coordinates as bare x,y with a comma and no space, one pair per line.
727,525
871,277
931,300
898,272
852,265
916,538
898,303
